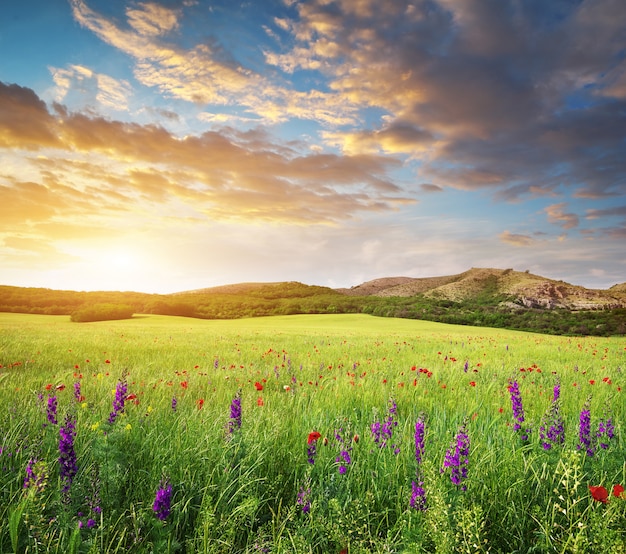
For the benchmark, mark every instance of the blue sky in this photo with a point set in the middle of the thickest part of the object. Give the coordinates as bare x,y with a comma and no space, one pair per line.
167,146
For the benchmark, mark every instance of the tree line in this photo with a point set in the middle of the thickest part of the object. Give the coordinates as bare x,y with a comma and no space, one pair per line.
487,310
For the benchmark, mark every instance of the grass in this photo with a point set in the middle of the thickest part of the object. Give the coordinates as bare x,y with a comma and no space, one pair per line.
334,374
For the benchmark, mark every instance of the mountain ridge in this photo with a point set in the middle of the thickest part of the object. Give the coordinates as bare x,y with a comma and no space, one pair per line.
525,289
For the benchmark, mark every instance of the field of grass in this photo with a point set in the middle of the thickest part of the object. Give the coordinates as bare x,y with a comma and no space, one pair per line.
311,433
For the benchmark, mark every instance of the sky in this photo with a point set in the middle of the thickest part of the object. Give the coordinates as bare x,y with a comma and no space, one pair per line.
164,146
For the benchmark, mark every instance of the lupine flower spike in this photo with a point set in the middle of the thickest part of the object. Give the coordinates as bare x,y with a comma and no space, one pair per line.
68,466
585,441
118,401
457,458
518,410
552,430
163,500
235,413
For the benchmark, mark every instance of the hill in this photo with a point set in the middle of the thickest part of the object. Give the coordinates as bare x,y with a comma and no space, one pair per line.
523,289
480,296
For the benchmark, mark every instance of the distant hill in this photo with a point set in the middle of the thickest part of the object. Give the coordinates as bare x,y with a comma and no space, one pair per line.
480,296
523,288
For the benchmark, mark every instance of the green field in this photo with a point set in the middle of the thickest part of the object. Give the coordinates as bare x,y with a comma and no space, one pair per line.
248,486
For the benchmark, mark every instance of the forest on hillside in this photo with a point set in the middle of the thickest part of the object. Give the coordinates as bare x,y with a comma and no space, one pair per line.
487,310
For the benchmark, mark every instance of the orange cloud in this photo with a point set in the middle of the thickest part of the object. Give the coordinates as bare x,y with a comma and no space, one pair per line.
110,166
557,214
515,239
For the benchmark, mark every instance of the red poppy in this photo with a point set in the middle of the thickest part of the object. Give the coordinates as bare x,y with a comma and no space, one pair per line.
259,401
48,386
472,383
200,403
107,361
599,493
60,387
258,386
184,384
618,491
131,397
313,436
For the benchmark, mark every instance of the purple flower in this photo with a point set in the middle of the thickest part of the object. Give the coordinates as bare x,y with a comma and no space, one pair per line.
174,403
77,395
457,457
51,411
68,466
304,496
163,500
518,409
418,496
235,413
311,451
606,429
121,390
383,432
36,475
343,459
552,430
584,430
419,439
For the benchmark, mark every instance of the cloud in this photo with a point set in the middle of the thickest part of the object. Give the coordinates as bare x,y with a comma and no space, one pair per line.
24,119
516,240
87,87
227,175
556,214
152,19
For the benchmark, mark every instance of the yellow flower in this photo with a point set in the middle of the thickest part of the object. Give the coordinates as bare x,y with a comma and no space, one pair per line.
84,405
128,427
95,426
149,409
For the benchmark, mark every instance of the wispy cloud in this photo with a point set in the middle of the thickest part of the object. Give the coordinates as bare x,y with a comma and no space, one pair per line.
557,214
516,239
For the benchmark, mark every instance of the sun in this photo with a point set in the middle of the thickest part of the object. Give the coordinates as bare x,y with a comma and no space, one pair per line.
121,260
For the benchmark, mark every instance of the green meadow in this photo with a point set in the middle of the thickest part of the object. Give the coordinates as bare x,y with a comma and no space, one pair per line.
297,434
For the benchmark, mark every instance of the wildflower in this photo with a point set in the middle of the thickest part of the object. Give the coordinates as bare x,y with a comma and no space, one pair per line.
618,491
163,500
258,386
51,411
419,439
312,446
606,429
518,409
552,430
599,494
67,456
457,457
343,459
304,496
235,413
174,403
383,433
118,401
36,475
418,496
200,403
584,430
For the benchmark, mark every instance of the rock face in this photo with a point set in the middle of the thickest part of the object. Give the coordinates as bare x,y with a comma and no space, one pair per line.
524,289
